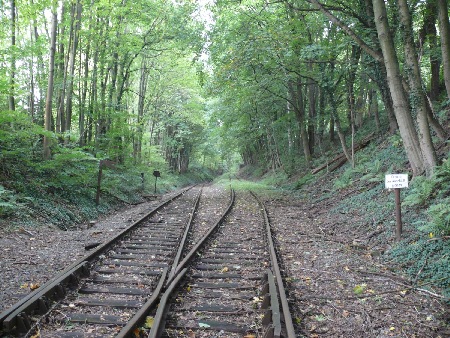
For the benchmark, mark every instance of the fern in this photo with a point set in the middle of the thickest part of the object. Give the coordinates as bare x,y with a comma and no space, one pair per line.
420,191
440,217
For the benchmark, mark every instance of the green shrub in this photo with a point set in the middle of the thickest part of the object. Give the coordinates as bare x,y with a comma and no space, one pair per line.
304,180
419,192
427,260
7,202
440,218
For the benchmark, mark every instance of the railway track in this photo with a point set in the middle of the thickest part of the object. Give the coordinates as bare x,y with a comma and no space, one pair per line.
173,273
112,282
232,287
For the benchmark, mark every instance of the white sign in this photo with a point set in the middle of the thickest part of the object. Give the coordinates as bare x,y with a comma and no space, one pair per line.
395,181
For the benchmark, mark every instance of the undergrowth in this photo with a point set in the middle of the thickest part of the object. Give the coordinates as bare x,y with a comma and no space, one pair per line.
424,252
61,191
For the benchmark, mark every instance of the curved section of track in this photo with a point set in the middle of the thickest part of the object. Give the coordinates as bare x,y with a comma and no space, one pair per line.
231,288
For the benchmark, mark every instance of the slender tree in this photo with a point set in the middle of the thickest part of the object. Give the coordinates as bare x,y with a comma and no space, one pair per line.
401,104
12,76
444,27
418,99
51,74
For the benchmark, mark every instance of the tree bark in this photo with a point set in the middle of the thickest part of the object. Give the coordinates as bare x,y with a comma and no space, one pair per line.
312,113
335,117
373,108
429,33
12,76
51,74
418,99
297,99
379,68
399,99
137,146
62,76
81,116
71,69
444,27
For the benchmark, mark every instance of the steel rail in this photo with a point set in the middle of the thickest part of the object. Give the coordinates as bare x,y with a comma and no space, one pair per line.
161,313
290,331
29,303
127,330
180,271
181,247
187,259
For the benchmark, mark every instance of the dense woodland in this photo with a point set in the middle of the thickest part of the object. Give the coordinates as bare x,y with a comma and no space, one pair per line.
281,87
281,79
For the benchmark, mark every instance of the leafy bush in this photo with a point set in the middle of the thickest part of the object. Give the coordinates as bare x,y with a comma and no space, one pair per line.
440,218
420,191
432,192
8,202
306,179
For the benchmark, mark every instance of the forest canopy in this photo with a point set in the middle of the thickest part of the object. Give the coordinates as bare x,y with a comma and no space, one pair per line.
275,85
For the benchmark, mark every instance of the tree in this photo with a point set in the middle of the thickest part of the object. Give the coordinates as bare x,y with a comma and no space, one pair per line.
444,27
48,102
12,76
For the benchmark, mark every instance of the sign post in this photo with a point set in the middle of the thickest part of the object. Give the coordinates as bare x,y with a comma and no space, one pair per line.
157,174
397,182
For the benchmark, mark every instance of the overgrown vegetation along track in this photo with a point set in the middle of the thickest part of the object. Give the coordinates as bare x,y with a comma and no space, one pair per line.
233,286
124,274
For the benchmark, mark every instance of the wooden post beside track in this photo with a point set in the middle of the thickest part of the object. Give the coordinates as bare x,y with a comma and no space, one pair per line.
396,182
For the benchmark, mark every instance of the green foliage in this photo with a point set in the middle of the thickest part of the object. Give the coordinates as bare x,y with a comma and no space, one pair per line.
419,192
241,185
274,178
344,180
433,193
427,260
304,180
8,202
440,218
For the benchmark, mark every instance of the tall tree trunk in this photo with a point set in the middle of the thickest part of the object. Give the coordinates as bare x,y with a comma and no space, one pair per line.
71,68
379,69
312,112
354,61
419,102
373,108
137,147
31,107
40,78
337,123
12,76
429,33
51,74
444,27
299,107
83,107
399,99
61,77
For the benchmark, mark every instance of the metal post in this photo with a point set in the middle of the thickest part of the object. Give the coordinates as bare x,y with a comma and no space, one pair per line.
398,214
156,178
99,180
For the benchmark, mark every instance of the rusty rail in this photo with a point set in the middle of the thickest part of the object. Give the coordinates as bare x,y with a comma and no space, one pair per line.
18,314
179,272
289,325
